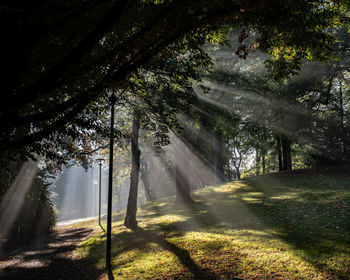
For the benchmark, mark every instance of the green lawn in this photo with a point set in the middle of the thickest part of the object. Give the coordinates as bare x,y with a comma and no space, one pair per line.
280,226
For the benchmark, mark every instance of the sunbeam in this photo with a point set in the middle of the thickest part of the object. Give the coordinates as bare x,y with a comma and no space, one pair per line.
15,196
290,119
75,193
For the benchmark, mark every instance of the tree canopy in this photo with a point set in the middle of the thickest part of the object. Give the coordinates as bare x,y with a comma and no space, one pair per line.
60,57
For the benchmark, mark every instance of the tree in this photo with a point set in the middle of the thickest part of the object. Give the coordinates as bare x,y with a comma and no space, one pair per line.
327,95
130,219
98,44
169,80
218,162
145,177
307,114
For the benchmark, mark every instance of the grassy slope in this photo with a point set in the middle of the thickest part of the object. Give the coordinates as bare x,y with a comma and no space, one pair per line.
282,226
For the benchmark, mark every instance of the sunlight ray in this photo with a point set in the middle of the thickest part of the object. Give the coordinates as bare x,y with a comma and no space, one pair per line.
15,196
284,117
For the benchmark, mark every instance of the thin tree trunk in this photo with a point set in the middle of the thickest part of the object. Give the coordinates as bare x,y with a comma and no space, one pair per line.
130,219
146,183
238,173
263,164
236,161
279,152
228,165
286,151
218,162
341,113
119,191
290,167
257,162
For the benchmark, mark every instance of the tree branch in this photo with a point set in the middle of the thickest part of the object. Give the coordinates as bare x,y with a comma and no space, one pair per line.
51,79
84,98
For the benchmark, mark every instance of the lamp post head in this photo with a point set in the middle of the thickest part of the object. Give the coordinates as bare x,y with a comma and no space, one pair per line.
100,160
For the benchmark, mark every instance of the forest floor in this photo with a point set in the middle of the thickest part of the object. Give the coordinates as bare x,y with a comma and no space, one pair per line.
291,225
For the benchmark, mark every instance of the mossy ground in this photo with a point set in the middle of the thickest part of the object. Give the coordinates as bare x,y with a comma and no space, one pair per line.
282,226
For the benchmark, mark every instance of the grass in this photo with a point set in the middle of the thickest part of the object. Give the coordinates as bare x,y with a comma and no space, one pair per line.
282,226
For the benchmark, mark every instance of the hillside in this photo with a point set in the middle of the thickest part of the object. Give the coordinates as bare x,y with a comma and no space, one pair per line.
280,226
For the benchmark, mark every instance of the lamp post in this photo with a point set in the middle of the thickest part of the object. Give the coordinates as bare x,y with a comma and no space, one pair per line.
112,98
100,161
95,196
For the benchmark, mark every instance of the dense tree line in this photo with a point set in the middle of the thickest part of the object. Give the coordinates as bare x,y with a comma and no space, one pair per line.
303,121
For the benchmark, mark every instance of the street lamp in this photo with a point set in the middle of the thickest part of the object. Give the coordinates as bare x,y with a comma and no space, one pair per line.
112,98
100,161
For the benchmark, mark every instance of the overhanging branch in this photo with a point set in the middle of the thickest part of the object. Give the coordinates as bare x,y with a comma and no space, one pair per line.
51,79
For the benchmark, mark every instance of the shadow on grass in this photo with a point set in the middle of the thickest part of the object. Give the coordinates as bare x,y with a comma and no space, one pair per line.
296,211
50,260
311,213
183,255
140,239
220,211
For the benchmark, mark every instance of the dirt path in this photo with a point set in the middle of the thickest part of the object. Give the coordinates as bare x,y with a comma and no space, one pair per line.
52,259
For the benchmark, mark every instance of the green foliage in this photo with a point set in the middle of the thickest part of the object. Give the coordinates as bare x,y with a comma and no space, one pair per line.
60,57
313,41
164,88
310,109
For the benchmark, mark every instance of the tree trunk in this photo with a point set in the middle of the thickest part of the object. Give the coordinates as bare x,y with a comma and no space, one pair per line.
182,165
218,162
146,183
238,173
119,191
279,152
228,166
257,162
341,114
130,219
286,151
263,164
290,157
